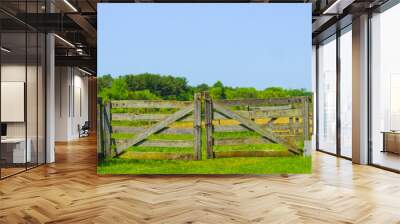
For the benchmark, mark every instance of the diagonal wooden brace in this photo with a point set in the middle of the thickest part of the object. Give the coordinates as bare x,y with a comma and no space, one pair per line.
155,128
263,131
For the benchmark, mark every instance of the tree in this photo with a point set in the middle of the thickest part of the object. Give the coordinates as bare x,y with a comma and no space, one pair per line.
241,93
104,82
202,87
149,86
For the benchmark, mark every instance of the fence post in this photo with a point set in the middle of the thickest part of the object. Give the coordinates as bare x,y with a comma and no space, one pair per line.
107,128
208,107
111,140
197,126
306,122
100,133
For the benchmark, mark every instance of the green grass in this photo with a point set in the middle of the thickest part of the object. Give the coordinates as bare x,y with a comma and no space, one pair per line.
235,134
250,147
253,165
159,149
236,165
145,110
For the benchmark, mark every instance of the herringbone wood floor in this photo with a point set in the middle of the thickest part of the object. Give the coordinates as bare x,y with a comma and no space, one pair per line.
70,191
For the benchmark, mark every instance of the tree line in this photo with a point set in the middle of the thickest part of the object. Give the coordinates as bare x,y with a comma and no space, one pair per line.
149,86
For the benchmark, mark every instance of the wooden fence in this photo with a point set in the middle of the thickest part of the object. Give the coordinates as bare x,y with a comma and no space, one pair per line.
275,120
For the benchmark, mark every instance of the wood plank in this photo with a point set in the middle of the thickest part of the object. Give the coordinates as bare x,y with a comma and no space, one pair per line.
157,156
272,113
107,130
271,122
156,128
269,108
149,104
159,143
135,130
167,143
264,131
132,116
208,116
100,133
240,141
197,126
306,121
254,102
275,127
265,114
145,117
272,153
189,130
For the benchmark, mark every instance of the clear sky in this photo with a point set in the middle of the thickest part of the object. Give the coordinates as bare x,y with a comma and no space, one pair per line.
249,45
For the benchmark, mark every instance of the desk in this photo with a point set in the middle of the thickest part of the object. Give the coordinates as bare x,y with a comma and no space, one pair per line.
13,150
391,141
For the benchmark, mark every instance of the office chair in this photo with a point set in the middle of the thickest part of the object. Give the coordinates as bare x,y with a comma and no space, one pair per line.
84,130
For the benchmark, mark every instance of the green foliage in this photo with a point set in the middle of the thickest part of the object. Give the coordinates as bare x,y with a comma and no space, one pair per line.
241,93
153,86
166,87
142,95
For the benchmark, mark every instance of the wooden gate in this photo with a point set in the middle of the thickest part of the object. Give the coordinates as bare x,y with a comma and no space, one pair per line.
260,116
279,122
149,124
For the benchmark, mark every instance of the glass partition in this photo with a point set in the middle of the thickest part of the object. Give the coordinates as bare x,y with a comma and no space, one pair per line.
14,153
327,95
346,93
22,78
385,89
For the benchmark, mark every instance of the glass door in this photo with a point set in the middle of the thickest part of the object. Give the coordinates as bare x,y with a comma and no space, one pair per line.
385,89
327,96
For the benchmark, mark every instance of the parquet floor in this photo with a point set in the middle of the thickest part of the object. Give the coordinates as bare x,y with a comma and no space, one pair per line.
70,191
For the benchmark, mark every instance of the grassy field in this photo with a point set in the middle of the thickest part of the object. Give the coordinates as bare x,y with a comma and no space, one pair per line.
238,165
254,165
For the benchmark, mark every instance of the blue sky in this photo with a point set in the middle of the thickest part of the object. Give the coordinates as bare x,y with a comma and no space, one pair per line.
249,45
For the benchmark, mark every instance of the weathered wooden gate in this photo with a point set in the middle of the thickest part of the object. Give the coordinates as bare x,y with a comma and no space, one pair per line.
188,111
260,116
285,121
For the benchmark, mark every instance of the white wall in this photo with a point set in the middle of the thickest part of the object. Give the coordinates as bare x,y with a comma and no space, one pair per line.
71,87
